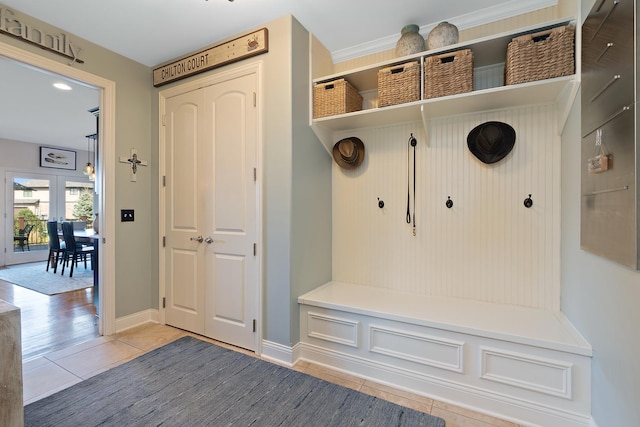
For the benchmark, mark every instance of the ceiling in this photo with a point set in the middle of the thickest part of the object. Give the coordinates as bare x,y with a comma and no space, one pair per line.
34,111
153,32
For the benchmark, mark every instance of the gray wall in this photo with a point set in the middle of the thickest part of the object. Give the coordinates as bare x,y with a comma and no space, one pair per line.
311,198
600,298
278,179
26,156
133,257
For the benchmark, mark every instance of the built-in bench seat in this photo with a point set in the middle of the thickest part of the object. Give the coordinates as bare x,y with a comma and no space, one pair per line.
524,364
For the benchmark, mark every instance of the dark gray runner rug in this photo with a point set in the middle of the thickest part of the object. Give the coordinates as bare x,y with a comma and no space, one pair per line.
193,383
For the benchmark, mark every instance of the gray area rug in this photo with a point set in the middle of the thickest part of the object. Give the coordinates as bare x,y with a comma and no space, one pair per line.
193,383
34,276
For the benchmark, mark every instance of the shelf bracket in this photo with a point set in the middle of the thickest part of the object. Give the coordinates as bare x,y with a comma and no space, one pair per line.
325,136
565,101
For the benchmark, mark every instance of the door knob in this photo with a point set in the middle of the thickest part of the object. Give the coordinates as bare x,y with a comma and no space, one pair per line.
198,239
209,240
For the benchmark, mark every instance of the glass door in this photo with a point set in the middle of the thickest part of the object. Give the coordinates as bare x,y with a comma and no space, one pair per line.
78,201
35,199
29,204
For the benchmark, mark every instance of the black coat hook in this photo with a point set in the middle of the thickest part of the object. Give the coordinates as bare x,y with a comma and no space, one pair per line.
528,202
380,203
449,202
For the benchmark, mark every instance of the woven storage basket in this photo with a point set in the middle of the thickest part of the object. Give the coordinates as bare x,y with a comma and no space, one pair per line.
540,56
335,97
399,84
448,74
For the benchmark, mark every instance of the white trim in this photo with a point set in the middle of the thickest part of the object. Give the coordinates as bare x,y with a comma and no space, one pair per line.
161,203
280,354
136,319
105,183
333,326
214,77
475,318
400,351
470,20
504,406
492,358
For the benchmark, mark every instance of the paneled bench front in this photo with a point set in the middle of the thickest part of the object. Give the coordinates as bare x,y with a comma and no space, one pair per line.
527,365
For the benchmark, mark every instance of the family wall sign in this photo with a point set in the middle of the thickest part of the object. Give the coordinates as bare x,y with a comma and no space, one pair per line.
56,43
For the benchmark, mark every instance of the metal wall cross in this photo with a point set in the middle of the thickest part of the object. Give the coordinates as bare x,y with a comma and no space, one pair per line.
134,161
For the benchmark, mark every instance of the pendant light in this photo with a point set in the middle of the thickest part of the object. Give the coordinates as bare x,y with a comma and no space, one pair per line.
88,169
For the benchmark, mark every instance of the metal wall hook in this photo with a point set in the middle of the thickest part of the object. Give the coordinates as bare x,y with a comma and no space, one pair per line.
380,203
528,202
449,202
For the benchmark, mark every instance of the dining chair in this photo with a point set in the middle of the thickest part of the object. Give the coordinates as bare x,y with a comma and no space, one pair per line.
56,248
23,237
74,251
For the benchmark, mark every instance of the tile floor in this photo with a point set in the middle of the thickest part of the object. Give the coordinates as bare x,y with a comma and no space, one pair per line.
55,371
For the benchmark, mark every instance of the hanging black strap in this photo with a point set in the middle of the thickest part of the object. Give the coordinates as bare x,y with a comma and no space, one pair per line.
411,143
408,184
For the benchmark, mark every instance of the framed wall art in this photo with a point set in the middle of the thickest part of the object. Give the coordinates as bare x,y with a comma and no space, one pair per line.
57,158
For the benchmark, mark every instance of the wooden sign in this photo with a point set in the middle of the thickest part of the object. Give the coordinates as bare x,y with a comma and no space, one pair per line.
243,47
59,43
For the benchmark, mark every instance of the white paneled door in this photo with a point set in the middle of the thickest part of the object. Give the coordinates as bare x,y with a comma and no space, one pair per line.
211,268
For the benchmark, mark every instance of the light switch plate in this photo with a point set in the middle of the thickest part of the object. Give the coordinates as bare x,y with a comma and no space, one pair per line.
126,215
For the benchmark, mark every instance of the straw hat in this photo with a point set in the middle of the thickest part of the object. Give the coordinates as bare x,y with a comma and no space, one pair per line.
349,152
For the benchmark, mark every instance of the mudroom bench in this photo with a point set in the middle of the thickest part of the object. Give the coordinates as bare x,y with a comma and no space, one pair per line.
523,364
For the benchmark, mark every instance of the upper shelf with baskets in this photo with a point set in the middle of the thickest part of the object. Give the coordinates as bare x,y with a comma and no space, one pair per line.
475,83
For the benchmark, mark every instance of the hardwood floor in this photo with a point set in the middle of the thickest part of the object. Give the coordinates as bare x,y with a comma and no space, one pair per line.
51,323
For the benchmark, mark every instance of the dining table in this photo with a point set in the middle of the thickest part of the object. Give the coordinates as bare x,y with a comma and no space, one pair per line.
88,235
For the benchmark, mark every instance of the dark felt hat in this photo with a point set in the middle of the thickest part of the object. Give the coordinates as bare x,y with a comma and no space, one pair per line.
491,141
349,152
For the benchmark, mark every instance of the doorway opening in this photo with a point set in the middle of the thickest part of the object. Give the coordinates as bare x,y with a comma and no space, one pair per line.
103,186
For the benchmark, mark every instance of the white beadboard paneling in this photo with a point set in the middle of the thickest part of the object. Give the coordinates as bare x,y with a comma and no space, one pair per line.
488,77
488,247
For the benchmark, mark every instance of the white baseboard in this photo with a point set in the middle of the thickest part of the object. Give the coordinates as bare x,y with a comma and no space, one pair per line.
515,409
136,319
281,354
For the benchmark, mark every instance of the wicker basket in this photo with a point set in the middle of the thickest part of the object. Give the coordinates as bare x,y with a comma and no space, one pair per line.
399,84
448,74
540,56
335,97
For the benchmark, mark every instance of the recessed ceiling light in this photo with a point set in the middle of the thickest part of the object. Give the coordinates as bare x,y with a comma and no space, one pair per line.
62,86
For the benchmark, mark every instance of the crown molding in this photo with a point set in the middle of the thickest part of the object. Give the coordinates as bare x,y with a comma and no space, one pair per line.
469,20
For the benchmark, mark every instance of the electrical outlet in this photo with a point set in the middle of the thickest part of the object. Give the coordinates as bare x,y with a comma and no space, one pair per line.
126,215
